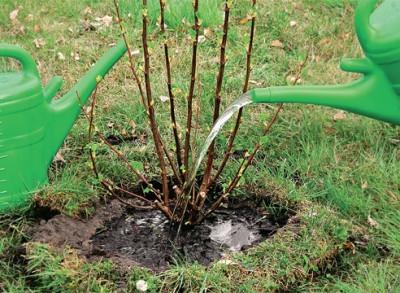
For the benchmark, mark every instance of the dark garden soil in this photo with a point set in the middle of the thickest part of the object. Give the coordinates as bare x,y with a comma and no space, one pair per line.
131,237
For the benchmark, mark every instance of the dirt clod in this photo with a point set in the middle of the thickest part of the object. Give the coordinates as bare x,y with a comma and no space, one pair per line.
62,230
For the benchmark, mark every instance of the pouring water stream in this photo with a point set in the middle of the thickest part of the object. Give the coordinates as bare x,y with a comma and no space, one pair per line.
239,103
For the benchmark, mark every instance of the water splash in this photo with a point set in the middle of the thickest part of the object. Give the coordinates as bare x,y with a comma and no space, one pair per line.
222,120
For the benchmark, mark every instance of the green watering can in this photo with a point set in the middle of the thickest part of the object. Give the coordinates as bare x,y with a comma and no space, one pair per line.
377,93
33,126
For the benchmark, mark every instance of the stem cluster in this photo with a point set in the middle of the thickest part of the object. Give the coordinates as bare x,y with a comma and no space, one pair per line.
182,203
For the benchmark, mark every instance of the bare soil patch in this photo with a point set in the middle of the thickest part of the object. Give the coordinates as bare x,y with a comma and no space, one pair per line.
144,237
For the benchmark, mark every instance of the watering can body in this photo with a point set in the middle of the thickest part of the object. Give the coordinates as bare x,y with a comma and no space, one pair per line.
33,125
377,93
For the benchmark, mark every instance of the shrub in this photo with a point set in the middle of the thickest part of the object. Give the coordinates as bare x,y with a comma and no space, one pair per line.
189,200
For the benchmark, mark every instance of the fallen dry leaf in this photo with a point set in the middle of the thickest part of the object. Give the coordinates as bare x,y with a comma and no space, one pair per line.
164,99
294,79
245,20
135,52
37,28
202,39
372,222
317,58
76,56
364,185
29,17
350,246
59,158
17,27
21,30
61,41
132,124
208,33
88,26
14,15
87,109
87,10
105,21
339,116
277,44
227,261
325,41
39,43
60,56
255,82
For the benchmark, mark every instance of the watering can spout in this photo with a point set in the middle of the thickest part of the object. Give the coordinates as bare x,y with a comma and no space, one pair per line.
64,111
372,95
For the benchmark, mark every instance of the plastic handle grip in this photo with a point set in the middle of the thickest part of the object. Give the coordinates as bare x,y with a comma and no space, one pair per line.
27,62
364,11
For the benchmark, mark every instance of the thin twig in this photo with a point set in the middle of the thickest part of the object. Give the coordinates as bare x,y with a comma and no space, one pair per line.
135,195
106,183
246,163
90,131
131,205
118,153
170,92
156,204
197,109
172,164
138,81
150,103
130,55
250,159
129,165
90,118
194,138
234,132
217,104
191,88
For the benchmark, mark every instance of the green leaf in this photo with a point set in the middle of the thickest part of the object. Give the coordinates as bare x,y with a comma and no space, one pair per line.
137,165
92,146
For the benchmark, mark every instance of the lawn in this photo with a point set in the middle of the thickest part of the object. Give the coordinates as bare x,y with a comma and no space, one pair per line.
340,173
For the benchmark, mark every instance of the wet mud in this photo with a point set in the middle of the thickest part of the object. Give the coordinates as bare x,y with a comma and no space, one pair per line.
144,237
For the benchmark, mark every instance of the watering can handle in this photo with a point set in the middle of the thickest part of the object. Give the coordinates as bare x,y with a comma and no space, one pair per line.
27,62
377,29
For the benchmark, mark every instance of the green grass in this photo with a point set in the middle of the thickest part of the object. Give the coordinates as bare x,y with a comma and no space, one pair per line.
178,13
349,170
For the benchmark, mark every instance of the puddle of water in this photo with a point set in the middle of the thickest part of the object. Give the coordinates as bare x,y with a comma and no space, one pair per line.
234,236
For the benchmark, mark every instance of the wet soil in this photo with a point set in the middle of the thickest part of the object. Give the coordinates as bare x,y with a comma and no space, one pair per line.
144,237
60,230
